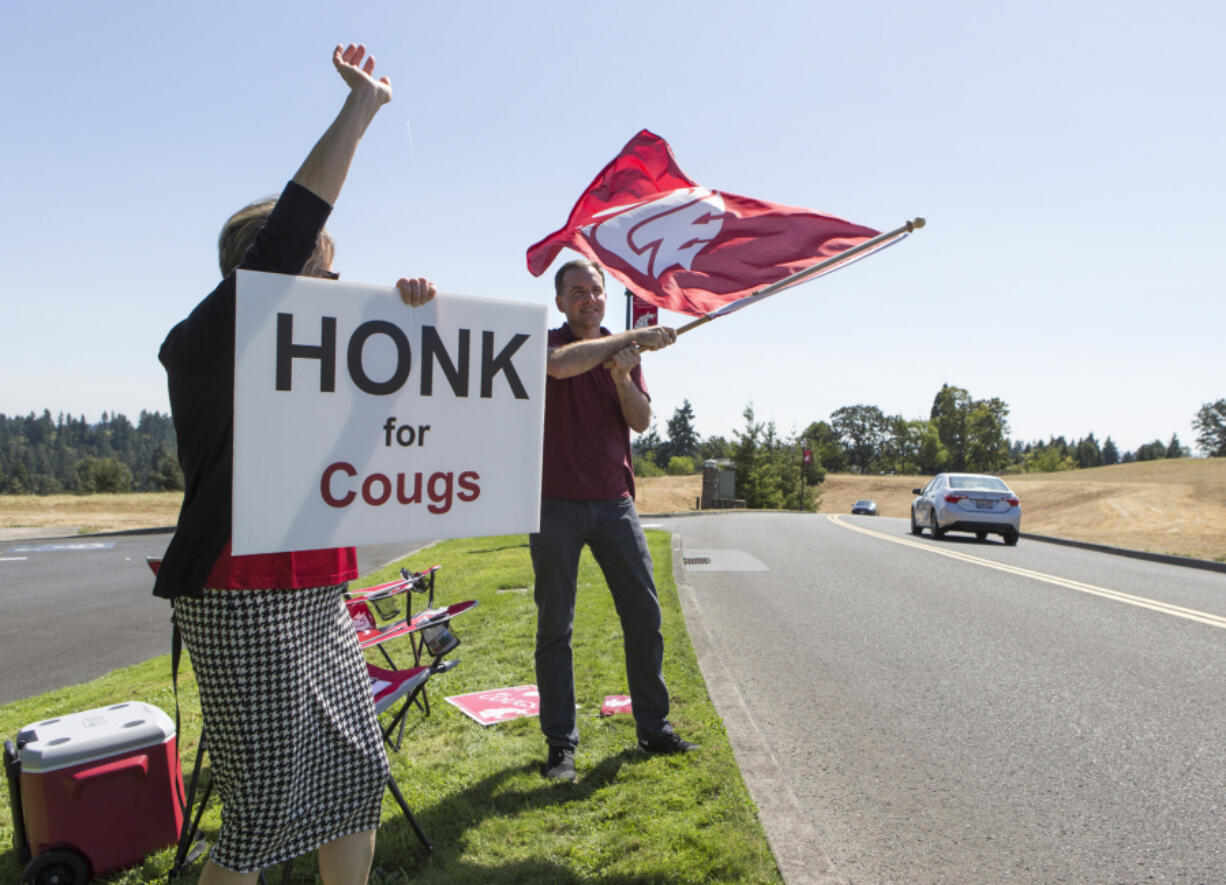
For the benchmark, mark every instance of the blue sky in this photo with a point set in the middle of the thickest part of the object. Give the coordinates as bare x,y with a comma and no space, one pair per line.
1067,156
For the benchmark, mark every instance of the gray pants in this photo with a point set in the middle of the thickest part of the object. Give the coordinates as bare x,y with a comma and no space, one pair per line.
611,529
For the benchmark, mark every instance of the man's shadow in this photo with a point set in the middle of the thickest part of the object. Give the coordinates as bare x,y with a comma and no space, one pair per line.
446,822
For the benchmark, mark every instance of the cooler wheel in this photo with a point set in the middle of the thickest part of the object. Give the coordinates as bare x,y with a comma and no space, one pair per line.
55,868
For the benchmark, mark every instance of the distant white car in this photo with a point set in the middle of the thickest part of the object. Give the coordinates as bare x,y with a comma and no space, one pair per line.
967,502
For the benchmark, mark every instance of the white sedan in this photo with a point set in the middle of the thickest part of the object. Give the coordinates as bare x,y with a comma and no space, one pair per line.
967,502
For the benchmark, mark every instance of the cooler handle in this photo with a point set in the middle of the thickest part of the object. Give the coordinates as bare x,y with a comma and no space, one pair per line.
138,765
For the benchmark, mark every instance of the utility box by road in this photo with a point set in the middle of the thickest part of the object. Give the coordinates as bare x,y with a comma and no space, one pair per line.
719,486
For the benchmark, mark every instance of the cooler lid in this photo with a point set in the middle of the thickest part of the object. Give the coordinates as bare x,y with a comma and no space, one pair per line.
83,737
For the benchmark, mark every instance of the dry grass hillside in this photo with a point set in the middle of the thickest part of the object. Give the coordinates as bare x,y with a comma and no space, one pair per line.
1176,506
28,515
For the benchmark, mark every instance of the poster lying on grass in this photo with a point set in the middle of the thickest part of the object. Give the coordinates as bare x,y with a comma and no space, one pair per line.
360,420
498,704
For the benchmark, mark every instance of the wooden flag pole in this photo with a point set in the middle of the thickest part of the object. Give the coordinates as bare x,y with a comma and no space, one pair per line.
800,275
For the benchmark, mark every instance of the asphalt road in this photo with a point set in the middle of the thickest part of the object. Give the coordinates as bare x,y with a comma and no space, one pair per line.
74,609
923,711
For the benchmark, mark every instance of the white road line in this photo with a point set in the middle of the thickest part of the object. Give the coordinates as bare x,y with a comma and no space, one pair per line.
1165,608
13,558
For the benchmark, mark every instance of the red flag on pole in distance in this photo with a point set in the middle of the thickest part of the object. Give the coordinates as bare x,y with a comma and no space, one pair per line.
684,247
642,313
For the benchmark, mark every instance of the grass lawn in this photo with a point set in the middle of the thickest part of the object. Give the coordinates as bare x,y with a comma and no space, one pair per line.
477,792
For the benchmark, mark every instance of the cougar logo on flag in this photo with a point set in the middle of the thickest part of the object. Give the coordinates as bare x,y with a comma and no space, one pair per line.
666,232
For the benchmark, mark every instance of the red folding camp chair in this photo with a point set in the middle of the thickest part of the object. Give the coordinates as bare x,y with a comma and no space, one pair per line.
377,617
391,686
376,611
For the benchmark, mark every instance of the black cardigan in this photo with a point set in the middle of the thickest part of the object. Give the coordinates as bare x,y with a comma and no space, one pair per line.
199,358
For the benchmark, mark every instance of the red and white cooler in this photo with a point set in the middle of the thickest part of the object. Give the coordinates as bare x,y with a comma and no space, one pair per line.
104,785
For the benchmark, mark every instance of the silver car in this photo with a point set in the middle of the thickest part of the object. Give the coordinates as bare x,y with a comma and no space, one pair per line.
967,502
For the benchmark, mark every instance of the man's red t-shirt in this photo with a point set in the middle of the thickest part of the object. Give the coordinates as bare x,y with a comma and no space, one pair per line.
587,440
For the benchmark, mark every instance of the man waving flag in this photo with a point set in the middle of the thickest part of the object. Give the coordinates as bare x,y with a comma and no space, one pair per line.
694,250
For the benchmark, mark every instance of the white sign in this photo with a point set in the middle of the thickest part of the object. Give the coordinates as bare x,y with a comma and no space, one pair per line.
360,420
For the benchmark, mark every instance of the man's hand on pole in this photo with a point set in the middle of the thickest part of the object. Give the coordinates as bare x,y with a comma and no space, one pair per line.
620,364
654,337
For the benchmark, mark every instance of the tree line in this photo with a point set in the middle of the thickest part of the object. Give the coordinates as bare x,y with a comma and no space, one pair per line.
40,455
961,434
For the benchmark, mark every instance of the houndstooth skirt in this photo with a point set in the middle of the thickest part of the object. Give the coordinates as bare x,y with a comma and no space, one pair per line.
294,747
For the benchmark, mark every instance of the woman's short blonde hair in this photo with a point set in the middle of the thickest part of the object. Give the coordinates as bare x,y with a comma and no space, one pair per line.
239,232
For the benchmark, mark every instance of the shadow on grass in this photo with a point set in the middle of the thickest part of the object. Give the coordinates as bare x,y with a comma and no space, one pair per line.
523,546
10,868
446,822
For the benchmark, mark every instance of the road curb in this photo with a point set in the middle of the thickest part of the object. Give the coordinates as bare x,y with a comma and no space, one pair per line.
792,838
156,530
1166,558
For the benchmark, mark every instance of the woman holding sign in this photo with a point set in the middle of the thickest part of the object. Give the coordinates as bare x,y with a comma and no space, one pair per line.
294,746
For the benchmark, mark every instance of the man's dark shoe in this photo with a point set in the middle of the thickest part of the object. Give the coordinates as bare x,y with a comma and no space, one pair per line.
668,742
560,766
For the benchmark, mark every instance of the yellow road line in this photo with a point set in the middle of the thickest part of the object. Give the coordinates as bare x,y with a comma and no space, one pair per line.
1165,608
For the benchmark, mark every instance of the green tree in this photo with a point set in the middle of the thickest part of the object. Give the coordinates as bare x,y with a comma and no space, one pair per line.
682,438
1175,449
114,477
83,476
752,484
1210,427
828,451
932,457
714,448
46,484
768,468
680,465
1111,455
987,442
647,467
111,475
1154,451
950,408
1048,457
1088,453
974,433
18,480
862,430
168,475
913,446
645,447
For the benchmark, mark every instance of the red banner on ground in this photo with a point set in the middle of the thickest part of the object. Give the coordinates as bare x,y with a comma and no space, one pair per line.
499,704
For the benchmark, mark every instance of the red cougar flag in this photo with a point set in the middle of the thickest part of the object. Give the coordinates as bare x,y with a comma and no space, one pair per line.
687,248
